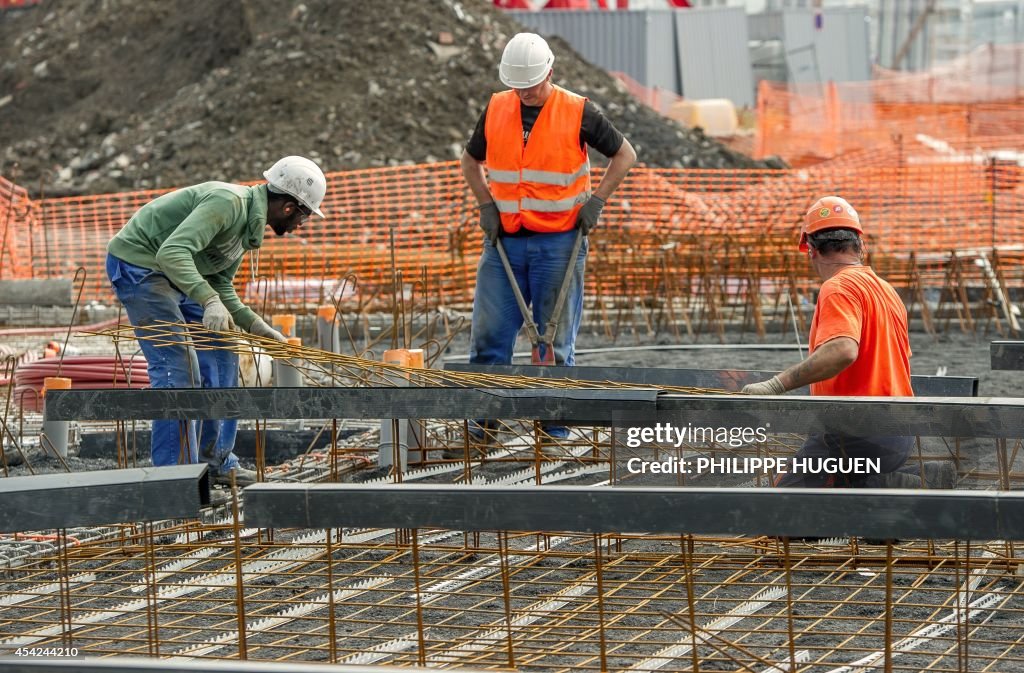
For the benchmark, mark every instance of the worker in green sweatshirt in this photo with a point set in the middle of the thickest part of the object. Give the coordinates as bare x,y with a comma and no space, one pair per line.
175,261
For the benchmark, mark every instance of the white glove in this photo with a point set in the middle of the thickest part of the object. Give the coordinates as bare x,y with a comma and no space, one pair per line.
260,328
772,386
216,317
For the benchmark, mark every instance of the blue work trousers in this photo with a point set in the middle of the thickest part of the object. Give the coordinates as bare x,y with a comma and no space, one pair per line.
539,264
149,297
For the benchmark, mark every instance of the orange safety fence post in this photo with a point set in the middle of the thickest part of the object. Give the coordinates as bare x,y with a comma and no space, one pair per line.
761,137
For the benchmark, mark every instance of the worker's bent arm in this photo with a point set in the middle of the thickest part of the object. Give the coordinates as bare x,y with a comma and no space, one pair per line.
826,361
618,167
176,256
473,172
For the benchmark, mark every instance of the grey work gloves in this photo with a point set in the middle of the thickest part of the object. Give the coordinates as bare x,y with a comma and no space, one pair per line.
589,214
216,317
490,221
772,386
260,328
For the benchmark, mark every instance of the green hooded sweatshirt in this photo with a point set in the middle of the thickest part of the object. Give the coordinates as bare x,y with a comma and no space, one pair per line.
197,236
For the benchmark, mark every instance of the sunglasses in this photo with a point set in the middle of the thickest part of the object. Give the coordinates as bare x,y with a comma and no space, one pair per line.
304,213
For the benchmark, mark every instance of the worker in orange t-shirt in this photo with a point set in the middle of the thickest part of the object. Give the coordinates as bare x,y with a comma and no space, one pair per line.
859,346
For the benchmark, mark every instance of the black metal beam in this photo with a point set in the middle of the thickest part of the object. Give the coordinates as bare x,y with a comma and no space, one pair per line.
1007,355
577,405
875,416
873,513
49,501
941,417
715,379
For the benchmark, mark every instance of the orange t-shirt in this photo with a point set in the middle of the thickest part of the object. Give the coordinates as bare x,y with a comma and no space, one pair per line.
858,304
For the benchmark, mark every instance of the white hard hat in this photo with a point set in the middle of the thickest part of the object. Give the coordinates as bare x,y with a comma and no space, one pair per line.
301,178
526,61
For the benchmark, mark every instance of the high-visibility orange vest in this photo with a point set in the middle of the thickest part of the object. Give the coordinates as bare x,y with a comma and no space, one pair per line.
543,185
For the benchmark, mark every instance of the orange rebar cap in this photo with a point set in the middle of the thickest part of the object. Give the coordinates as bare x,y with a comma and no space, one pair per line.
829,212
396,356
285,323
56,383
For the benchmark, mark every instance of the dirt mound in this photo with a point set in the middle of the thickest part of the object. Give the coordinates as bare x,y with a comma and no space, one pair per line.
106,95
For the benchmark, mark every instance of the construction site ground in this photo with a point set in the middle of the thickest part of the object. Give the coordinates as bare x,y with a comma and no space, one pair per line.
100,97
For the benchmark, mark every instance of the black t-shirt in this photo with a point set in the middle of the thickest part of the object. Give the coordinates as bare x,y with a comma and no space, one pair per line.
595,130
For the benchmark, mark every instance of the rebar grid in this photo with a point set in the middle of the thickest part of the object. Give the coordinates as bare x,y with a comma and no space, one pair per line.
322,367
531,601
555,601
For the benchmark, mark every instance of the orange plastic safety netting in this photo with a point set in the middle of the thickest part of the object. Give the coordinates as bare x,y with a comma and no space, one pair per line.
16,224
978,99
662,226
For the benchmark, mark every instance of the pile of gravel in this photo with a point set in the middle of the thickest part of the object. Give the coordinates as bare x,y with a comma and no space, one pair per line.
108,95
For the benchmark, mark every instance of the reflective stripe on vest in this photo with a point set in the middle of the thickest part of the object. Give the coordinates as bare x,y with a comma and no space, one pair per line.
545,206
555,178
507,206
508,177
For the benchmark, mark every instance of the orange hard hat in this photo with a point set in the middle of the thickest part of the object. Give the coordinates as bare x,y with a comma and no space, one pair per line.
829,212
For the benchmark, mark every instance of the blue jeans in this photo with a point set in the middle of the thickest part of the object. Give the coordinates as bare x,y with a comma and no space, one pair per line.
149,297
539,264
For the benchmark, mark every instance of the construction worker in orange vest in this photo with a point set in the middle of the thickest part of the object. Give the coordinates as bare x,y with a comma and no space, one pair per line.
533,140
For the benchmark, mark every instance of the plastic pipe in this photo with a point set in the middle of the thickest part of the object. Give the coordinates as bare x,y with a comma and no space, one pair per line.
327,333
55,433
386,446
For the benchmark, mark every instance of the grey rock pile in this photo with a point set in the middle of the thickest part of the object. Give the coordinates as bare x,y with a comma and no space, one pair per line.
109,95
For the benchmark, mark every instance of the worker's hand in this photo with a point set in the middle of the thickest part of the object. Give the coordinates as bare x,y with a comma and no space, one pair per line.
490,221
772,386
260,328
589,214
216,317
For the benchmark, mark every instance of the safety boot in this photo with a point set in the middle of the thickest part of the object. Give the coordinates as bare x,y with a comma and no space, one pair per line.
243,477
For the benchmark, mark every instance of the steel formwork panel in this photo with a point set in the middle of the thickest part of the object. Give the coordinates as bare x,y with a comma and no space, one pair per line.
193,403
856,416
922,416
1007,355
49,501
874,513
713,379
